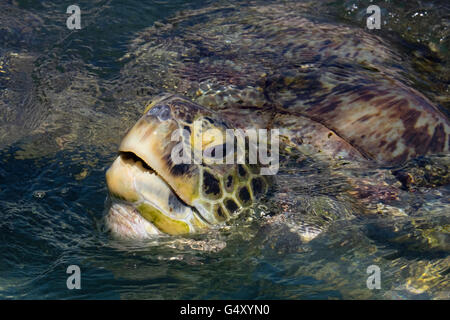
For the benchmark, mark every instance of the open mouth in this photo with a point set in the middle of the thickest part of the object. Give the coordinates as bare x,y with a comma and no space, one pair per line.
138,189
133,158
126,155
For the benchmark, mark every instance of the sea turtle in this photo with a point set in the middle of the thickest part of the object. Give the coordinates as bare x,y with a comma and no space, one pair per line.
331,90
153,194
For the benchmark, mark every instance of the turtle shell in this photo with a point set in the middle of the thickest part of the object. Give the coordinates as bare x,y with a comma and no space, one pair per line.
347,84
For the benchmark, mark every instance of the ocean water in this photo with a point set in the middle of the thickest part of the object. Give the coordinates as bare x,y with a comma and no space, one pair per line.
64,113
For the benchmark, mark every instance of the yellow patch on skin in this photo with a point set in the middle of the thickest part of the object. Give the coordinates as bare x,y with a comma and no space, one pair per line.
203,138
212,136
162,222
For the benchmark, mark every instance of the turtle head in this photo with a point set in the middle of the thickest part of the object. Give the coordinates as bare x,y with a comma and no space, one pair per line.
182,168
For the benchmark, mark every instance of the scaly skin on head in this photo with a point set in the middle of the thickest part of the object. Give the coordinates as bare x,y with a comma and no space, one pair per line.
174,197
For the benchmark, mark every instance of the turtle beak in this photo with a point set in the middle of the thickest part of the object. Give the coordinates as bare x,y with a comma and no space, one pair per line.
143,192
151,140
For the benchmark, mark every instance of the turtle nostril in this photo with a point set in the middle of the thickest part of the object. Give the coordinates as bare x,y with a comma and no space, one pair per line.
160,111
164,113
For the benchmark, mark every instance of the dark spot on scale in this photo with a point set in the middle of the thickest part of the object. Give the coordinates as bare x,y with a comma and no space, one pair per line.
210,183
417,139
329,107
410,118
241,170
220,212
244,195
257,186
231,205
229,182
438,140
367,97
177,169
180,169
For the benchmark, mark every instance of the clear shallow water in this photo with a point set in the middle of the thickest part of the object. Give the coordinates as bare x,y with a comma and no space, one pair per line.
59,143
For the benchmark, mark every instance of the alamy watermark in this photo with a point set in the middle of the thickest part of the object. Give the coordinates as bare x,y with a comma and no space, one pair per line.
374,280
224,150
374,20
74,20
74,280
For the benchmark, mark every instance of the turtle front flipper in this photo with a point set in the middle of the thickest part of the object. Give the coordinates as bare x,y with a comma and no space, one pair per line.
376,114
313,138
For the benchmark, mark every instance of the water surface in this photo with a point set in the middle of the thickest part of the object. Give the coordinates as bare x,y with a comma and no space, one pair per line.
63,117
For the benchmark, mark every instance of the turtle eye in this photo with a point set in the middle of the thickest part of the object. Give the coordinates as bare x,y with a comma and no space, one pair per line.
244,196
